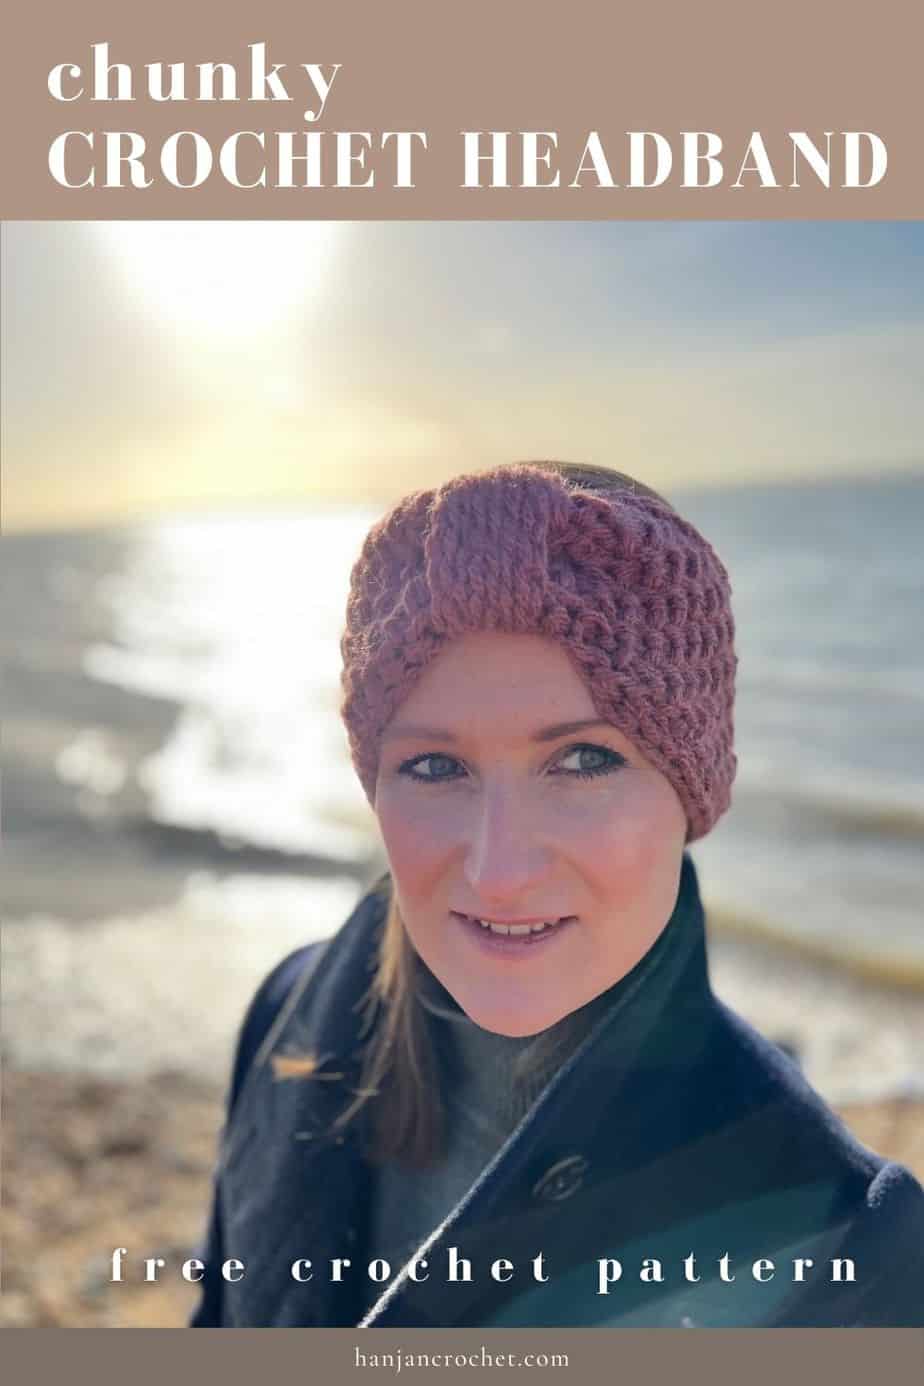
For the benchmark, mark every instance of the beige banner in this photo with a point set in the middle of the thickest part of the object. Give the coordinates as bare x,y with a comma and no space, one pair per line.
409,110
761,1357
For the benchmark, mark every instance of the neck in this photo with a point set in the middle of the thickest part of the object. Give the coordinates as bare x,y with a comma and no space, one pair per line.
502,1075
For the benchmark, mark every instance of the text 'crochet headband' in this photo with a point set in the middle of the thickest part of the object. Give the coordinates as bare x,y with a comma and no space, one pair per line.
633,592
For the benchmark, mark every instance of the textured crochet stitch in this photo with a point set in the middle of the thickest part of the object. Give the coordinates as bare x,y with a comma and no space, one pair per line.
637,597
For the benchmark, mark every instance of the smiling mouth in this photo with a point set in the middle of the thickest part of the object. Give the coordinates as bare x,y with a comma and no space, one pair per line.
528,929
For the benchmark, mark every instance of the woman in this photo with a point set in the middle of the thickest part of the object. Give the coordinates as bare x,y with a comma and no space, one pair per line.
504,1093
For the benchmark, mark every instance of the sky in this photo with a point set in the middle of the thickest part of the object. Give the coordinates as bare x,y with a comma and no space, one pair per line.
164,366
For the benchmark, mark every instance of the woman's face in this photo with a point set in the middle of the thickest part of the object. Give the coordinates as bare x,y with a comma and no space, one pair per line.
491,808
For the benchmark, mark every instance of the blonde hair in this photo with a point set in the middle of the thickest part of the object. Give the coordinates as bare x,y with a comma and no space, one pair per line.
399,1096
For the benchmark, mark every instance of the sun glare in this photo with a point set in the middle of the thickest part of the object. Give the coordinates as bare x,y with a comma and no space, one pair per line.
219,279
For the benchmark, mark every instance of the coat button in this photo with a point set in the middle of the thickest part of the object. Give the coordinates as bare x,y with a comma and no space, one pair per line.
562,1179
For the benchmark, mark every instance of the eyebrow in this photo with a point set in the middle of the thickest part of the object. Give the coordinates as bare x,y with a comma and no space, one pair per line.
552,733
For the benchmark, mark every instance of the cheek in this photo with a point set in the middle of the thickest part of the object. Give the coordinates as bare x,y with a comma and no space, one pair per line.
633,844
636,821
639,843
417,835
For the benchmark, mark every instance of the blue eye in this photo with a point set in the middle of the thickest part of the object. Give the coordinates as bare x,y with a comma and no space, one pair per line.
408,768
609,761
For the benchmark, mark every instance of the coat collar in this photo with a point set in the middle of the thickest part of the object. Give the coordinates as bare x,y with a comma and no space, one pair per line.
295,1191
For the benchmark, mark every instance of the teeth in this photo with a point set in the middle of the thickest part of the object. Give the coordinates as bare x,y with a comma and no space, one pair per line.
517,929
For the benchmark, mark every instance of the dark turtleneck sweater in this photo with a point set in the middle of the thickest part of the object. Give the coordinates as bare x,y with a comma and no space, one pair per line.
489,1082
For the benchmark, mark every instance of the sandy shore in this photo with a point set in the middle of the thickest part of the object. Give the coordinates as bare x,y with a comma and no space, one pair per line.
92,1163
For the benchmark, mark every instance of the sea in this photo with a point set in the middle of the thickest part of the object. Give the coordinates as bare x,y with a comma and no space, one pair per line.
180,808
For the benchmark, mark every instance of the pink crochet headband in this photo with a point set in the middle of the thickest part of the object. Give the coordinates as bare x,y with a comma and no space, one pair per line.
637,597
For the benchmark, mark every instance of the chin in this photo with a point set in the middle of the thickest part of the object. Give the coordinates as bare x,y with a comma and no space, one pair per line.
517,1026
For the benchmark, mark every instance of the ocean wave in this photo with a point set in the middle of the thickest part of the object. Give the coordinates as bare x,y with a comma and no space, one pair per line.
844,955
838,809
210,847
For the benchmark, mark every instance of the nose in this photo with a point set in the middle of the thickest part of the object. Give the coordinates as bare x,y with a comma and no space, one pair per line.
506,860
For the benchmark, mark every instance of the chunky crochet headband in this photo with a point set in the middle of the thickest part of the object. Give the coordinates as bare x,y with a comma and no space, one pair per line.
633,592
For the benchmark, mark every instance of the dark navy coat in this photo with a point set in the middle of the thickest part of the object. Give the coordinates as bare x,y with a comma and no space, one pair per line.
674,1129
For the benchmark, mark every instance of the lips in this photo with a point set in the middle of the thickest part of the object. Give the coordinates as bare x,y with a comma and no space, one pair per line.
514,919
514,928
526,937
